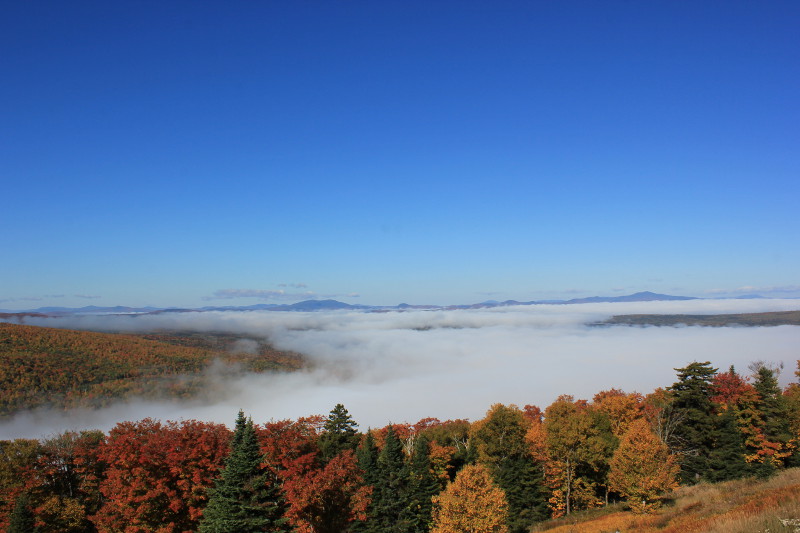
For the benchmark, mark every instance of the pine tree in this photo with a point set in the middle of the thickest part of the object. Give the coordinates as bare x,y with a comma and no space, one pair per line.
246,496
339,433
692,404
423,486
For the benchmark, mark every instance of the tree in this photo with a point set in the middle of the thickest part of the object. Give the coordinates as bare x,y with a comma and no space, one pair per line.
579,445
472,503
642,468
691,399
158,475
775,414
500,440
22,519
325,498
390,497
423,486
245,496
339,433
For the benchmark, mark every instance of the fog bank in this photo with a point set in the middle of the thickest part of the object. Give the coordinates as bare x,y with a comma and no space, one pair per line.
403,366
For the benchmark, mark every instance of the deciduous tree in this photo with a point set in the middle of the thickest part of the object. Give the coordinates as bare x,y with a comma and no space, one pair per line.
642,468
472,503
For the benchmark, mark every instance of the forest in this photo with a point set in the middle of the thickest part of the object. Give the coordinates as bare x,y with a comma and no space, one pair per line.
61,368
516,470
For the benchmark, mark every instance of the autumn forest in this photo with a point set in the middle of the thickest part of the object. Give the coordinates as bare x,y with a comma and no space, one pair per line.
515,470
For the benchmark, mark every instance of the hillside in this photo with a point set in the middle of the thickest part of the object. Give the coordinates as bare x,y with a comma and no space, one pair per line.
741,506
48,367
777,318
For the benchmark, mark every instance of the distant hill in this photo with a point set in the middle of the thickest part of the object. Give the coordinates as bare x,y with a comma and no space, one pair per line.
775,318
49,367
335,305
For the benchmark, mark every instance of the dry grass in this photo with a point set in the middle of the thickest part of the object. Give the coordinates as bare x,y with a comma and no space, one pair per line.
743,506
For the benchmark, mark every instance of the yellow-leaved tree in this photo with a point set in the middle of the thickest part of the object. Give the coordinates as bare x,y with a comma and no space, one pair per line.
472,503
642,469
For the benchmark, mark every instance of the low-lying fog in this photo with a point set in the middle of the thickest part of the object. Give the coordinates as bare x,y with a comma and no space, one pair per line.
404,366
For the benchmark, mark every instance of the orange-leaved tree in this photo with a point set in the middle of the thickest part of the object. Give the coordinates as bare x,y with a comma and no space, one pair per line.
472,503
642,468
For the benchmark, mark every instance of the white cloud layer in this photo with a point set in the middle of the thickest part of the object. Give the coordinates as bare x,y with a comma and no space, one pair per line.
403,366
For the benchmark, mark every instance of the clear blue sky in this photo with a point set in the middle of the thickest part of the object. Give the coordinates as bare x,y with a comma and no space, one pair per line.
182,153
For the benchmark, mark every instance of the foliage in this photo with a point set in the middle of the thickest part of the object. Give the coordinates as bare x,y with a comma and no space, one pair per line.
472,503
642,468
64,368
339,433
500,441
158,475
692,400
245,496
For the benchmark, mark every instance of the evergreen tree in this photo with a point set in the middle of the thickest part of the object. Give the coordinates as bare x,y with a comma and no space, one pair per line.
692,404
774,409
726,460
500,444
423,486
367,458
246,497
22,519
390,497
339,433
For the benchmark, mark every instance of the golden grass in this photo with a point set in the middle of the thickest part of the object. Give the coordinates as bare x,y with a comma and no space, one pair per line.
743,506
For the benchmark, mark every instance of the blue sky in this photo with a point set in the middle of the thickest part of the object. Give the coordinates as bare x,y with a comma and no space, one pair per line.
182,153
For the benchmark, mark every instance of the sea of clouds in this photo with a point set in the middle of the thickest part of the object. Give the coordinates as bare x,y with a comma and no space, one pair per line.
403,366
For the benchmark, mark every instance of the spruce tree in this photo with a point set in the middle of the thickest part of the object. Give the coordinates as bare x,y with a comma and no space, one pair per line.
339,433
423,486
390,497
692,404
246,496
774,411
726,460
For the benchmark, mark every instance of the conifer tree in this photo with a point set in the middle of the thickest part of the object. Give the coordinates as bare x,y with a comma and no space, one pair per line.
772,405
500,443
390,497
692,404
727,458
22,519
339,433
246,496
423,486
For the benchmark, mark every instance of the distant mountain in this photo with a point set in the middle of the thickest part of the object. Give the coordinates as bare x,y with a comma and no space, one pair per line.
645,296
334,305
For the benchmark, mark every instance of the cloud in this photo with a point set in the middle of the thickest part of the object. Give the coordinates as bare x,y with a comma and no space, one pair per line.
22,299
780,290
294,285
404,366
227,294
87,296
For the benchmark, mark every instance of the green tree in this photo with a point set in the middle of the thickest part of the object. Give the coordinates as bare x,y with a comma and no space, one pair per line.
423,486
499,440
776,416
390,496
246,496
338,434
692,404
22,519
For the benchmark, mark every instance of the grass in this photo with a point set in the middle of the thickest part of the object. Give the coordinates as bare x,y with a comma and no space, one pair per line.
742,506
